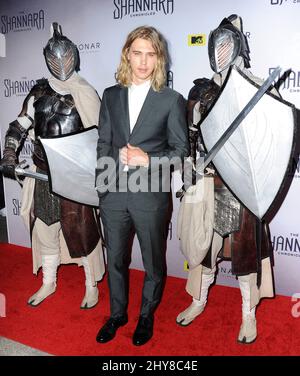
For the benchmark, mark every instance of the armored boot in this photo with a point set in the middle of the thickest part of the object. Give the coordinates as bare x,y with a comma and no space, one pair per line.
248,331
197,307
49,267
91,290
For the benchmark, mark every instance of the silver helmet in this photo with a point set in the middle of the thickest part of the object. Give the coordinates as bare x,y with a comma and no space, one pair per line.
226,43
61,54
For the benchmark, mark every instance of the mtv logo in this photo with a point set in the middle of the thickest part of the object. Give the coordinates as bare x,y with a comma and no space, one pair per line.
196,40
2,45
2,305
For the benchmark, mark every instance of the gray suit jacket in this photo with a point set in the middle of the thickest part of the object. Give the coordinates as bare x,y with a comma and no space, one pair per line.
161,131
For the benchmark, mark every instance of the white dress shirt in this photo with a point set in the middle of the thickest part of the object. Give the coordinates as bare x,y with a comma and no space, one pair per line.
136,98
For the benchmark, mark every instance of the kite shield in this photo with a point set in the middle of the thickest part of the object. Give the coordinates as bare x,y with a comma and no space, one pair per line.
254,160
72,163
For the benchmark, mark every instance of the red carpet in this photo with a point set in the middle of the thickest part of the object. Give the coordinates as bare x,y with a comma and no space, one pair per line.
58,326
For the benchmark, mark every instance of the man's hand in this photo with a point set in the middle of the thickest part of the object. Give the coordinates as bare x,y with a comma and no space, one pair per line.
136,156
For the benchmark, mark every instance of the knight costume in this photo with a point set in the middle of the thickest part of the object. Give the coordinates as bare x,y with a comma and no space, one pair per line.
62,231
237,234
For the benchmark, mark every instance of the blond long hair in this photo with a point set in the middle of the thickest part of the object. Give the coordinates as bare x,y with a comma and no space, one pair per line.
158,80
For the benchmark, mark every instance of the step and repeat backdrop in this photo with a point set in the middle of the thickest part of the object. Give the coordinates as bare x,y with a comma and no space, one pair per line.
99,29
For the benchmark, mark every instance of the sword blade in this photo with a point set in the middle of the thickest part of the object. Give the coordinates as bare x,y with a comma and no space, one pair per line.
241,116
30,174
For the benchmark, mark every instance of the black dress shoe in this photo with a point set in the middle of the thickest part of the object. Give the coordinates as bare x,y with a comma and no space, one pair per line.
143,331
109,329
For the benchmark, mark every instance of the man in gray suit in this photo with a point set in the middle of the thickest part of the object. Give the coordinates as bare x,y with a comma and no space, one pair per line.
142,131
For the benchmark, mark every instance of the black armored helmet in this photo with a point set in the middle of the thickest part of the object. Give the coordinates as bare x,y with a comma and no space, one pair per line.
61,54
226,43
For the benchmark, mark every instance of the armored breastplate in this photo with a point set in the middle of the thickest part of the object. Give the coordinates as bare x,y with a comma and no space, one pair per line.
55,115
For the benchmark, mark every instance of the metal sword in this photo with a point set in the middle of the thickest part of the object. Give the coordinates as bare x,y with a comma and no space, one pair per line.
20,171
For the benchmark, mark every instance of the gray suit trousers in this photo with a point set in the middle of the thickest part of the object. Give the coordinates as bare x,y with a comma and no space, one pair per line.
151,230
